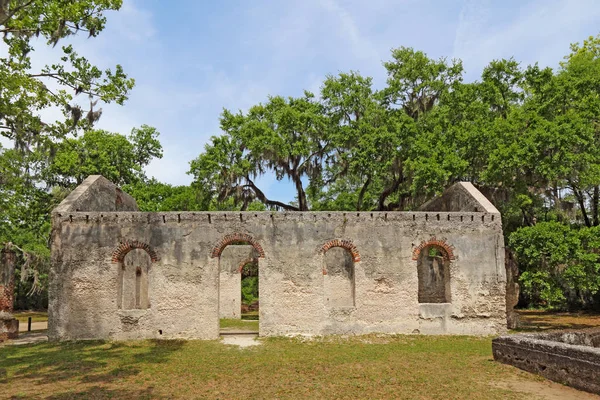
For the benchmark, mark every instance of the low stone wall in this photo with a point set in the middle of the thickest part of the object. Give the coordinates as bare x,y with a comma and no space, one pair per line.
571,358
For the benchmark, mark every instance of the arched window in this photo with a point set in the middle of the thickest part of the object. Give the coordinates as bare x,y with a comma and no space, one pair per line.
433,269
338,278
134,259
132,291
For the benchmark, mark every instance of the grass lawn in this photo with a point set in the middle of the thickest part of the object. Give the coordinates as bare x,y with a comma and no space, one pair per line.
372,366
408,367
239,324
36,316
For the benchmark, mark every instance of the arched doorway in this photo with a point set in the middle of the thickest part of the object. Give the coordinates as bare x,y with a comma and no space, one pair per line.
239,256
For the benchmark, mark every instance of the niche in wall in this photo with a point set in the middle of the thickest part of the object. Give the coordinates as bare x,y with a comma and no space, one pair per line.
132,291
433,269
339,286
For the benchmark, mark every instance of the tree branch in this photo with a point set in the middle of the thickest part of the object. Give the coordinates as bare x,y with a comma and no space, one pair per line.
387,192
361,194
10,14
62,81
261,196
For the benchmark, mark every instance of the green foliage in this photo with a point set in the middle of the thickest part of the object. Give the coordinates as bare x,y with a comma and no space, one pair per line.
118,158
45,155
528,137
153,196
24,92
560,264
249,289
249,283
284,136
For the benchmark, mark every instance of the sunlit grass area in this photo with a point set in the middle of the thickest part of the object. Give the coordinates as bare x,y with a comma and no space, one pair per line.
371,366
239,324
408,367
36,316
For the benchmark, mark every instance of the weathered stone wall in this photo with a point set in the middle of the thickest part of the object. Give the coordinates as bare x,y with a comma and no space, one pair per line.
232,259
9,326
96,193
7,279
571,358
462,196
88,249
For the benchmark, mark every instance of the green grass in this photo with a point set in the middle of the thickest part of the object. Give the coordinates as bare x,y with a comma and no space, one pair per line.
372,366
239,324
36,316
407,367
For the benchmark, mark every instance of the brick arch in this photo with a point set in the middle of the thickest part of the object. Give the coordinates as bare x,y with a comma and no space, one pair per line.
343,243
236,238
446,248
127,245
246,261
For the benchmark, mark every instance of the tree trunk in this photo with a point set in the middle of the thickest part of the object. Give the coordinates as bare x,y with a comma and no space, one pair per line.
302,203
386,193
581,202
272,203
595,200
361,195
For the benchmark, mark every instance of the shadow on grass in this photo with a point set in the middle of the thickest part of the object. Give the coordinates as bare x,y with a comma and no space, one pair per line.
539,321
98,392
83,362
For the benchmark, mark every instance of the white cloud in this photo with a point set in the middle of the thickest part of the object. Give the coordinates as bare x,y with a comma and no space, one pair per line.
234,57
539,31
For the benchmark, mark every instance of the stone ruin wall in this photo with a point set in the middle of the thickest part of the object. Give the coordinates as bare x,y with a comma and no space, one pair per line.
177,278
9,326
569,357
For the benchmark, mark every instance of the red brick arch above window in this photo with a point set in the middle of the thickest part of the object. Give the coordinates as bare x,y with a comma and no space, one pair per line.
441,244
237,238
245,262
343,243
127,245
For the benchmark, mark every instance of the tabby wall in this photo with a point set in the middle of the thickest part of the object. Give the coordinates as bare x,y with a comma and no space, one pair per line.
169,286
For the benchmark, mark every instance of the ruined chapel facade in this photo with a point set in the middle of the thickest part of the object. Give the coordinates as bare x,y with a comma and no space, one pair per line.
118,273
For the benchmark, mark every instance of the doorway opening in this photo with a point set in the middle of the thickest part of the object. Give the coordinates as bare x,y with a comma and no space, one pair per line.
239,289
249,291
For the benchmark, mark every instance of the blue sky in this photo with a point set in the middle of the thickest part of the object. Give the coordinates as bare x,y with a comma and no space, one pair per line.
192,58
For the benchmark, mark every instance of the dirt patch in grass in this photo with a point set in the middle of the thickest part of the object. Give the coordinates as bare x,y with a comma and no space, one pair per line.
545,389
536,320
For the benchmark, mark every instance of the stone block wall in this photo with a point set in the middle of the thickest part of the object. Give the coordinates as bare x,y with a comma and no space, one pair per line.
571,358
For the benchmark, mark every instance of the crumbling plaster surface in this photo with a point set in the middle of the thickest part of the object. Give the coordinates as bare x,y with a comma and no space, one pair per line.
186,248
9,326
184,282
96,193
462,196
